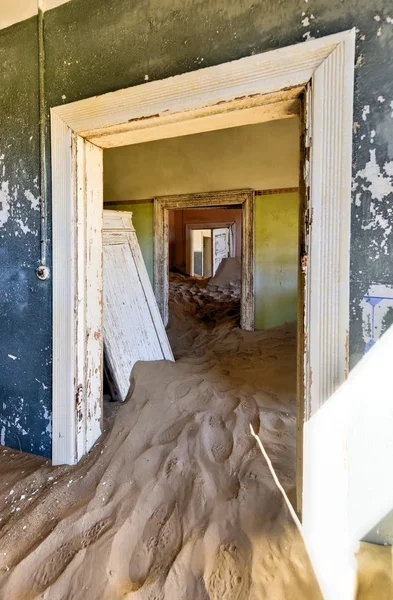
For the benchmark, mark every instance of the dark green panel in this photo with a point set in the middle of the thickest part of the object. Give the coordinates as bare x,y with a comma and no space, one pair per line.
25,311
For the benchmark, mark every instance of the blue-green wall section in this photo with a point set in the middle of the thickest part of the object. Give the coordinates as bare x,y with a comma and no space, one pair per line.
25,302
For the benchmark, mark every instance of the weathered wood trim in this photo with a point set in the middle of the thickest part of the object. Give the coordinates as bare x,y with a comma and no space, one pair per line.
327,272
326,264
256,193
65,200
162,205
290,190
257,109
77,289
93,373
267,73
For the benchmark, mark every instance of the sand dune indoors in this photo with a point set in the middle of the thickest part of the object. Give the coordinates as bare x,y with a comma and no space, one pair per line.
175,501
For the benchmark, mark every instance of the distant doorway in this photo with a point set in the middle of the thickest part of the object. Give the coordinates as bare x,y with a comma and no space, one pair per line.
223,236
207,244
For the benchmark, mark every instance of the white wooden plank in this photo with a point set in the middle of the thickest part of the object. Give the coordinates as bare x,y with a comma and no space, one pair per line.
133,329
63,317
80,298
94,280
150,298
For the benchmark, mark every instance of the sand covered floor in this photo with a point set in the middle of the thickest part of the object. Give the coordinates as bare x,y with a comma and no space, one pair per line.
175,501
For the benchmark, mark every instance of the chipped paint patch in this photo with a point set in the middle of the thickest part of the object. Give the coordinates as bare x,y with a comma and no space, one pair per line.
34,202
5,203
380,183
25,229
376,307
48,418
365,112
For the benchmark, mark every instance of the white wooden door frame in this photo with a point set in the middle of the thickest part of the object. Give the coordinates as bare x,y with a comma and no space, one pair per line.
250,90
164,204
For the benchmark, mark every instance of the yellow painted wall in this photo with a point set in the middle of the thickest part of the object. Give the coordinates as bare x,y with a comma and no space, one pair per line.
260,157
276,259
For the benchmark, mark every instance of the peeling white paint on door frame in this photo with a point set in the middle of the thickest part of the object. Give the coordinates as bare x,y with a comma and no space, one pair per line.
250,90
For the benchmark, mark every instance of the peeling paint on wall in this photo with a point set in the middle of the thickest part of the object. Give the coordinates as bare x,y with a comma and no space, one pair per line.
377,309
5,203
13,205
378,181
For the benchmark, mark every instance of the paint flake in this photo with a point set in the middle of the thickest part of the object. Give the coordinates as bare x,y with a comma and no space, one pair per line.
23,227
35,202
5,203
380,184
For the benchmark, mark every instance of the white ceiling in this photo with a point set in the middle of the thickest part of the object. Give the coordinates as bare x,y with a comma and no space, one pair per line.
13,11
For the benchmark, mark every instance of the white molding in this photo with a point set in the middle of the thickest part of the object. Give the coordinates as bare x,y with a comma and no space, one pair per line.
190,100
257,109
77,290
327,275
63,268
264,73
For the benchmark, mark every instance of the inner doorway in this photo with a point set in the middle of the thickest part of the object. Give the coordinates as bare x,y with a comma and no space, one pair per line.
207,245
234,233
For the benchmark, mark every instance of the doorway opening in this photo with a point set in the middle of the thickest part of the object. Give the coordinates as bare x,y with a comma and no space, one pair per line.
205,265
256,89
209,246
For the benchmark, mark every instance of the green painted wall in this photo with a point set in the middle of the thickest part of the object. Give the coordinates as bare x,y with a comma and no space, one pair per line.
276,251
276,259
142,218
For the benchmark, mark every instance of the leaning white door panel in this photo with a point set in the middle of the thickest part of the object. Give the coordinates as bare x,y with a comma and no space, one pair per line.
133,329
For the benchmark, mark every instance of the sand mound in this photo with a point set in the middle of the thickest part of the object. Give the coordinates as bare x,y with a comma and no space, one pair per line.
175,502
228,275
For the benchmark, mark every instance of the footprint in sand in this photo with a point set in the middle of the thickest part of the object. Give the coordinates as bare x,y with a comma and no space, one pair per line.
158,545
217,439
230,576
49,570
171,433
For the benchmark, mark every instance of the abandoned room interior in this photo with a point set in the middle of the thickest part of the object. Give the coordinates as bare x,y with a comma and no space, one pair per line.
196,300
